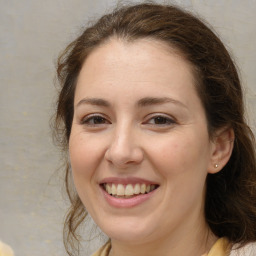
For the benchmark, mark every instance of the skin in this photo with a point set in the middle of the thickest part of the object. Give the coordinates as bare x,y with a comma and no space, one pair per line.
128,140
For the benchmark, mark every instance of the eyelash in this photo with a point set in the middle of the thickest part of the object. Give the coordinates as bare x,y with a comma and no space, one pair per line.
99,120
167,120
86,120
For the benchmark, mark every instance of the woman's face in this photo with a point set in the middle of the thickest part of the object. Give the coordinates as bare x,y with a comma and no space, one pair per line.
139,145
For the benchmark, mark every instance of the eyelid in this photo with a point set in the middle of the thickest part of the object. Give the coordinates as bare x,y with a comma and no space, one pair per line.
171,119
88,117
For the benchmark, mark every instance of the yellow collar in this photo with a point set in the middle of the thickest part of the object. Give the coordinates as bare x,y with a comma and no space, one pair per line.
220,248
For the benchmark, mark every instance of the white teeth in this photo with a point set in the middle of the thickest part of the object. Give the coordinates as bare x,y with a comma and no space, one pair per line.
143,188
137,189
113,189
120,190
128,190
108,188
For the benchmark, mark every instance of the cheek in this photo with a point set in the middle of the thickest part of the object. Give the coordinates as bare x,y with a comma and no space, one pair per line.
182,162
179,155
84,155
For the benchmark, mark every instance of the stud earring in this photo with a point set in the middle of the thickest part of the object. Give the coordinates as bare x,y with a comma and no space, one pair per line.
216,165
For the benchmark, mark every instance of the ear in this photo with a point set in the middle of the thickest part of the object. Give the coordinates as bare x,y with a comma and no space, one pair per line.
222,147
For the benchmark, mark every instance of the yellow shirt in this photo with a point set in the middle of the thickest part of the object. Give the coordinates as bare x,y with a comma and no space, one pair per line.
220,248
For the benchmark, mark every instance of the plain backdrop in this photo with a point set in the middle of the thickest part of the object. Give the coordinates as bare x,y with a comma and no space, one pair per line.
32,34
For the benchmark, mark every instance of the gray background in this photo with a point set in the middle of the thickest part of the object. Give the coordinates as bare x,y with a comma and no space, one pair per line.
32,33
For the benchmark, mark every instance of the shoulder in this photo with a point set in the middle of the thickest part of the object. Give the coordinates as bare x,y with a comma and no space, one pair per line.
247,250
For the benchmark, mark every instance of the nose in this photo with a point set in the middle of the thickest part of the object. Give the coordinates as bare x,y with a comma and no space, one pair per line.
124,149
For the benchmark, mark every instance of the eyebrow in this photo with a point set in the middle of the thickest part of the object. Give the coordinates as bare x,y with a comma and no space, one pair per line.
93,101
147,101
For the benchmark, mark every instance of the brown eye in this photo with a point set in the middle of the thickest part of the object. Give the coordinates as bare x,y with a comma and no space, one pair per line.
94,120
98,120
161,120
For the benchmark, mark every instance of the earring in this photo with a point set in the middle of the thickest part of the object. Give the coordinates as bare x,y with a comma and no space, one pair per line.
216,165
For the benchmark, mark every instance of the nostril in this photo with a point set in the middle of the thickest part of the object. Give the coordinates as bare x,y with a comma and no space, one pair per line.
122,157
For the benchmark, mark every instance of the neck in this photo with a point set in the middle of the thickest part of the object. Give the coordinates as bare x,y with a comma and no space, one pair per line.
194,243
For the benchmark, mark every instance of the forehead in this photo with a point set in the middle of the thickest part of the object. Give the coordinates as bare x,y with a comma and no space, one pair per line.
118,49
148,64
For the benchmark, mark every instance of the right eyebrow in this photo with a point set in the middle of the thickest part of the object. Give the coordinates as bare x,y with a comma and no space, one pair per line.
147,101
93,101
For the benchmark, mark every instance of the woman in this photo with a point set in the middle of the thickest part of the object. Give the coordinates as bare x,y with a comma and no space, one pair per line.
151,115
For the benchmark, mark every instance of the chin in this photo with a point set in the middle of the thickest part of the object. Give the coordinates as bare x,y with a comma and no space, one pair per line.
128,232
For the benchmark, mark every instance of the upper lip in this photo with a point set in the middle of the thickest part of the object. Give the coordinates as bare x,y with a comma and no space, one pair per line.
127,180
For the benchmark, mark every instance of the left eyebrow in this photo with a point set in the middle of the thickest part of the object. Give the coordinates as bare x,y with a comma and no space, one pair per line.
155,101
93,101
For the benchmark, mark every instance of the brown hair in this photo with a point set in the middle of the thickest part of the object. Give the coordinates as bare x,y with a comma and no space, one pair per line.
230,206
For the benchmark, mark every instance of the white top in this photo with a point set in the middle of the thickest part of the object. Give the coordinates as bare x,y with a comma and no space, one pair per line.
248,250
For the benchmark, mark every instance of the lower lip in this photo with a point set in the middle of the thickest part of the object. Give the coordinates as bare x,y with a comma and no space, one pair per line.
127,202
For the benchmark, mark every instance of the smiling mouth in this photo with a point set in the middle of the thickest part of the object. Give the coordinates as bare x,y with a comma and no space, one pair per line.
129,190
